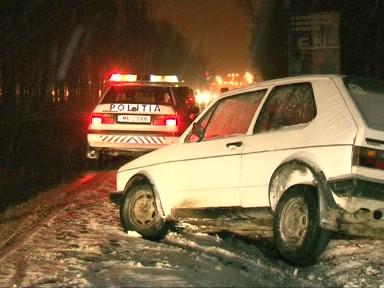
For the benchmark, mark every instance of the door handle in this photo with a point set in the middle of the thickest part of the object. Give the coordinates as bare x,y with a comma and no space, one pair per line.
233,145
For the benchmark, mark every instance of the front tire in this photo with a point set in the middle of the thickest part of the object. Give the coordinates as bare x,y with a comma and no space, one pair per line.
139,213
297,232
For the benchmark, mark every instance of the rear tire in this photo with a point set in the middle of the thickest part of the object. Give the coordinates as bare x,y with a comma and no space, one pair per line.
297,232
138,212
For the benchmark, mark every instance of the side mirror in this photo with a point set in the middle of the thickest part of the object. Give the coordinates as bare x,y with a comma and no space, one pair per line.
198,131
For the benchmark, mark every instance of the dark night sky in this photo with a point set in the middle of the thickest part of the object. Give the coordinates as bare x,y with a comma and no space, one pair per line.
219,27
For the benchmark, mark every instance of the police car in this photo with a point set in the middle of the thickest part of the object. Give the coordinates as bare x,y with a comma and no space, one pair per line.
295,159
137,115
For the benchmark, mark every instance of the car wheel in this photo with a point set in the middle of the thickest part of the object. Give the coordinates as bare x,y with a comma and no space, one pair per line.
139,213
94,164
297,232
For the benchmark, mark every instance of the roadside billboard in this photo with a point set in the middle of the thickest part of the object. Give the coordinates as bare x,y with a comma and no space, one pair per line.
314,44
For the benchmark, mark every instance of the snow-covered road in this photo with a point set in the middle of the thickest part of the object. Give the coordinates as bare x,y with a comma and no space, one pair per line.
71,236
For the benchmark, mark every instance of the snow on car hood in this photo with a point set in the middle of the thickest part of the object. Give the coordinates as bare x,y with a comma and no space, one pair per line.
155,157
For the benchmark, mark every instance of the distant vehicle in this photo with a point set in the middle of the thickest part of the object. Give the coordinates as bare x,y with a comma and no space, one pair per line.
295,158
186,94
223,90
137,115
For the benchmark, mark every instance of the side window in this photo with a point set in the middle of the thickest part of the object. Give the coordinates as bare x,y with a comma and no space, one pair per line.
287,105
230,116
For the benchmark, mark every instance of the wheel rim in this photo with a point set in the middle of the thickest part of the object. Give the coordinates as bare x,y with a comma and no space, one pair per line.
143,209
294,222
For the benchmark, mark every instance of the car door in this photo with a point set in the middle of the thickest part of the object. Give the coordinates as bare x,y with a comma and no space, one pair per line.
207,169
282,128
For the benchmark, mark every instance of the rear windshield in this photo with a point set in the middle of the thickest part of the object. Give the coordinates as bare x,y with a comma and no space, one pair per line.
139,95
368,95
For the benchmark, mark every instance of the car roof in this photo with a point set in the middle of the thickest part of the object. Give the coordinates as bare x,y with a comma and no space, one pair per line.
279,81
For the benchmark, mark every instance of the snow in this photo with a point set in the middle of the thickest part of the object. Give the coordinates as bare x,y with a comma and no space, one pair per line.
72,236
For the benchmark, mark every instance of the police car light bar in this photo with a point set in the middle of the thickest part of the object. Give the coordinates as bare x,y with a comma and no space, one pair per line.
123,78
164,78
116,77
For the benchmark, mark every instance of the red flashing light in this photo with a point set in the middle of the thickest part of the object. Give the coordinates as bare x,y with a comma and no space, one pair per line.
116,77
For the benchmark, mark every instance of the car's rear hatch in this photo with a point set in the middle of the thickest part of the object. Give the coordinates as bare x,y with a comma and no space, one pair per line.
368,97
130,108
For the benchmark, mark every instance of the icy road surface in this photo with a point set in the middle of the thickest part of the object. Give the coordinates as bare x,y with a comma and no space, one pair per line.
71,236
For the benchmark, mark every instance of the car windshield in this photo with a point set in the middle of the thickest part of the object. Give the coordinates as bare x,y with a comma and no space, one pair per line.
139,95
368,95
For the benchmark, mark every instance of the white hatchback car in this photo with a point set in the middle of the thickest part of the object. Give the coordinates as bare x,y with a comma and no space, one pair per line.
294,158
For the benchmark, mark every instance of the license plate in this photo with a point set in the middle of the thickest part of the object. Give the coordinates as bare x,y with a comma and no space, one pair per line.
134,119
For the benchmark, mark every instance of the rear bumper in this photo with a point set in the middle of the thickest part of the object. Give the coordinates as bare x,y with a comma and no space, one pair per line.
125,144
362,213
363,223
358,187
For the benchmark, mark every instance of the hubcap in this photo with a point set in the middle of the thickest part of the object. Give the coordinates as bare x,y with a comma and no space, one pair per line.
144,210
294,222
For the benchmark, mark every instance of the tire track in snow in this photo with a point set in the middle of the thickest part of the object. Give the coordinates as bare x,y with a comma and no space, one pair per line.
17,224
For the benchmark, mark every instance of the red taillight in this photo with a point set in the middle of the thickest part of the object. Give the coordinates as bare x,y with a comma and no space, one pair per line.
169,121
102,119
96,120
368,157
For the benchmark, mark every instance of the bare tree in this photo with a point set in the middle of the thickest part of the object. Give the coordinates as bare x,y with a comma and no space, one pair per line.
60,52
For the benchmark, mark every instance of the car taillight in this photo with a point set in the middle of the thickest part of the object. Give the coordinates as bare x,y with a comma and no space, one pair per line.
368,157
169,121
102,119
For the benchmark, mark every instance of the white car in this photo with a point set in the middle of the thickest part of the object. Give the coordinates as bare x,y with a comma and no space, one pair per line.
137,115
295,158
